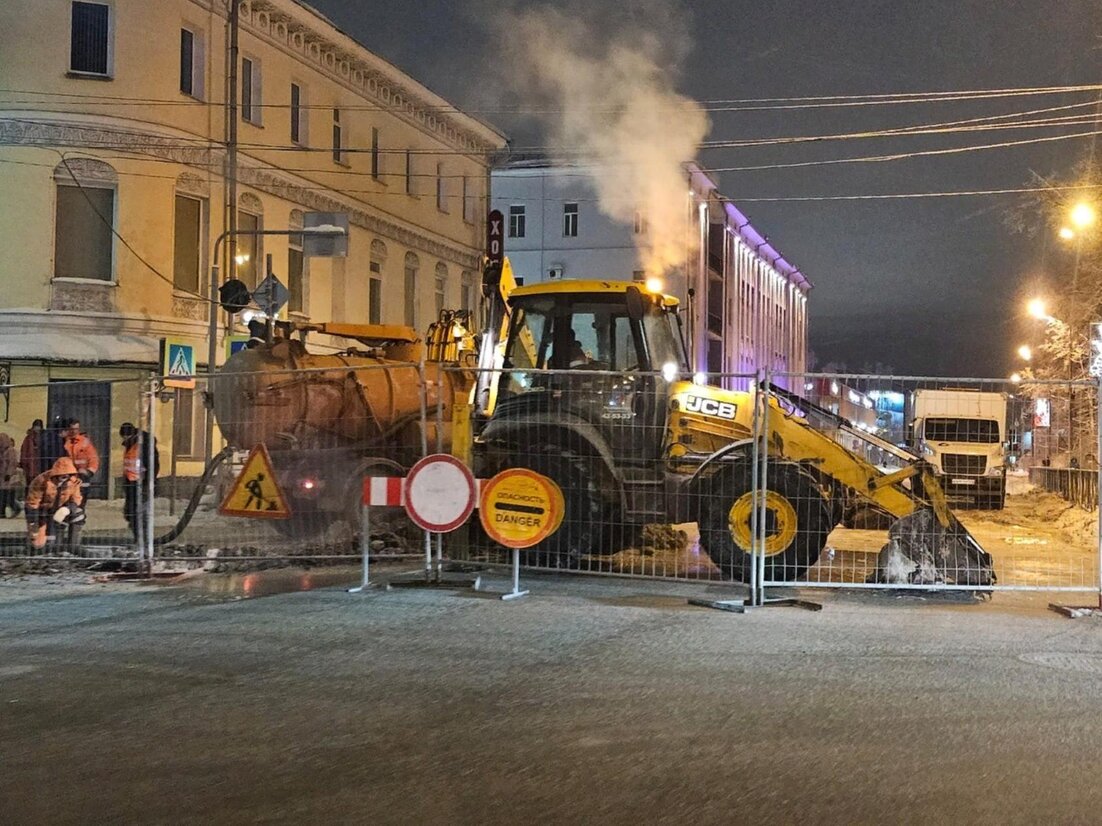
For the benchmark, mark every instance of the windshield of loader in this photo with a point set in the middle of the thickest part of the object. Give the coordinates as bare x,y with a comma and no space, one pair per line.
572,331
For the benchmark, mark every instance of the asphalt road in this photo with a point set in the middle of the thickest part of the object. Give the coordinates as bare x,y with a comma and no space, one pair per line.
596,701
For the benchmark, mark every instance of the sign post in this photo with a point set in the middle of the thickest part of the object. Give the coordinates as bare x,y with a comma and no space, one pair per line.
520,508
439,494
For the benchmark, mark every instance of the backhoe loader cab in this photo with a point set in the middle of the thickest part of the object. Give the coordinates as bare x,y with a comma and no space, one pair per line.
593,392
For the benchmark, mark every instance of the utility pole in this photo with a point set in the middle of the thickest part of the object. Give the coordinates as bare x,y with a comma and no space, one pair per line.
229,174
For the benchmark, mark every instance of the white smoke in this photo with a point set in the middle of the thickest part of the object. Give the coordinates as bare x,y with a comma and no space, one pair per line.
606,96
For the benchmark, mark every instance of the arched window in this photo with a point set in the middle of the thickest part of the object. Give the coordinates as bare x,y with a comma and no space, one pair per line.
248,249
85,220
413,264
375,282
441,286
467,296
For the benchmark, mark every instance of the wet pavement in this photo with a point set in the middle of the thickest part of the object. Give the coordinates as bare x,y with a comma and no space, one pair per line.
593,700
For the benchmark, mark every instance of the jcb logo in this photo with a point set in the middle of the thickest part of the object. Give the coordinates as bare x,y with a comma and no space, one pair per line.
710,407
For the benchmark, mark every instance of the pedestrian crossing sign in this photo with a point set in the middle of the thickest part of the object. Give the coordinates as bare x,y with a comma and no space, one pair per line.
255,492
177,364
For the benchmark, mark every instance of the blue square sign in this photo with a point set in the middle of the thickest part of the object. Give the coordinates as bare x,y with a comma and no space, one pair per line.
177,364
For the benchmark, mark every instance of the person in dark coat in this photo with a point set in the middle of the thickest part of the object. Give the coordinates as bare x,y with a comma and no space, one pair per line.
52,442
135,464
30,452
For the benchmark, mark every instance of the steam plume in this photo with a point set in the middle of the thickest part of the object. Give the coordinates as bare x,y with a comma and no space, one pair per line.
609,103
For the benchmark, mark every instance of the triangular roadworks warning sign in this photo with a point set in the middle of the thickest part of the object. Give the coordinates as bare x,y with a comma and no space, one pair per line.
255,492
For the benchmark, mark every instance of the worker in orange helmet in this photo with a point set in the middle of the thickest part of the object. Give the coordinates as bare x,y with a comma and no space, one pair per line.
54,498
80,449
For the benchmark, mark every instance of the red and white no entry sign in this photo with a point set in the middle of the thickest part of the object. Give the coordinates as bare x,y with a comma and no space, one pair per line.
440,493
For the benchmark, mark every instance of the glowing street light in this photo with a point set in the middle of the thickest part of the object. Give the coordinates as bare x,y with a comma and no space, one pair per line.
1036,308
1067,233
1083,215
1025,353
1016,378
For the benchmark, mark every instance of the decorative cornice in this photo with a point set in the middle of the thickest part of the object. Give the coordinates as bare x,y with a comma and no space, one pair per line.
67,134
267,21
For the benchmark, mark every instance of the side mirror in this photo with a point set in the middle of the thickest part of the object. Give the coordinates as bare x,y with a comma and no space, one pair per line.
636,304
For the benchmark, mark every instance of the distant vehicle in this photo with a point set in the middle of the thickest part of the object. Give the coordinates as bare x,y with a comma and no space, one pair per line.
962,434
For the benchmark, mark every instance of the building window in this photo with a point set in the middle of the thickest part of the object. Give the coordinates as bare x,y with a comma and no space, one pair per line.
339,155
84,241
250,91
441,287
412,265
187,243
374,153
188,426
570,220
468,201
467,297
295,279
640,223
409,172
517,222
299,133
441,193
90,44
248,248
375,293
192,63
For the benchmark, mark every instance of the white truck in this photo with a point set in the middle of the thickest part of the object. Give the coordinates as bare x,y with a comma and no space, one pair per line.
962,434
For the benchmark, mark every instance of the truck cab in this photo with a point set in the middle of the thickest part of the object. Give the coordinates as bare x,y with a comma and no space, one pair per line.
962,435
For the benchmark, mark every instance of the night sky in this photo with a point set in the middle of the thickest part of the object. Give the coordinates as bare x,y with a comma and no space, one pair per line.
926,287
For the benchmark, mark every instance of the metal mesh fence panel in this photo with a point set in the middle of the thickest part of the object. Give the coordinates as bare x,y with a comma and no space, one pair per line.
626,449
323,431
79,511
912,482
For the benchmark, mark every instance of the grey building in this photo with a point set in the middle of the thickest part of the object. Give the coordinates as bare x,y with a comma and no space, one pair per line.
745,305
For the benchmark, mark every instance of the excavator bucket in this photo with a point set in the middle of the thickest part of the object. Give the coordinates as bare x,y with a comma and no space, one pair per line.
922,551
931,547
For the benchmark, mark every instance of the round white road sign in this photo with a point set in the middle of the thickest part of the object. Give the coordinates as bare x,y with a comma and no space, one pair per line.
440,493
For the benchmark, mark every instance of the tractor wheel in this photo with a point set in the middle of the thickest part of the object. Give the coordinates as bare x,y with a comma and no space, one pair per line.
797,522
586,519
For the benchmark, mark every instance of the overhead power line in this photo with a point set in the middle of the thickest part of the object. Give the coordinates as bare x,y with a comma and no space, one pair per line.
713,105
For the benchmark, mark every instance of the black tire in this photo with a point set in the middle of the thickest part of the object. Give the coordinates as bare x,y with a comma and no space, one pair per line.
794,507
586,520
303,525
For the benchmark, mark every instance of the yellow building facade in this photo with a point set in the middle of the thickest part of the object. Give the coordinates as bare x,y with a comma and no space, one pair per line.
113,191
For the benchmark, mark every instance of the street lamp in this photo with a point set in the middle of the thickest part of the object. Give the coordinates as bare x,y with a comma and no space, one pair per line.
1025,352
1016,378
1083,215
1067,233
1036,308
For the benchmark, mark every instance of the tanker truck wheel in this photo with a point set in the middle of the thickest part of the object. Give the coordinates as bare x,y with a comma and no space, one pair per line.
303,525
797,522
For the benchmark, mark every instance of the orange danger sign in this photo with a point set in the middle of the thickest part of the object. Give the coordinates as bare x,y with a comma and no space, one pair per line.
520,508
255,492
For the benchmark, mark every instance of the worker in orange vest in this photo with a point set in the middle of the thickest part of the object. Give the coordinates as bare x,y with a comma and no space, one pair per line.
80,449
54,498
135,461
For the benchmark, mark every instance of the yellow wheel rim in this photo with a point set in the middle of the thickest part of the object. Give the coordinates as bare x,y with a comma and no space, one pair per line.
780,522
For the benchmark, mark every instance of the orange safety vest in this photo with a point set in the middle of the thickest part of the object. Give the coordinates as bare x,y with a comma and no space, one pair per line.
83,453
132,462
